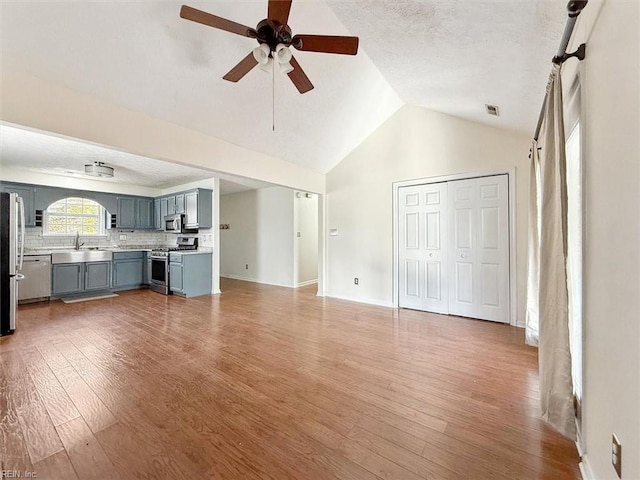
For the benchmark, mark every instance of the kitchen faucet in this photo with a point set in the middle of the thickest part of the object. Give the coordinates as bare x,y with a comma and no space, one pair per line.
78,244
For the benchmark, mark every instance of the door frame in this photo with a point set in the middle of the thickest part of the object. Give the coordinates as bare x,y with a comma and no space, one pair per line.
511,176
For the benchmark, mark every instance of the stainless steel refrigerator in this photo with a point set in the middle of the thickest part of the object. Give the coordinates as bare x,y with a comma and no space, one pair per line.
11,254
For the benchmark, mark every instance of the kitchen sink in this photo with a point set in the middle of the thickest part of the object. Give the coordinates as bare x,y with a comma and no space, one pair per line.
79,256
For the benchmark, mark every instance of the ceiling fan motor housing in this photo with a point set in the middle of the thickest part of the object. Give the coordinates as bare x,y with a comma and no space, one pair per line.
272,33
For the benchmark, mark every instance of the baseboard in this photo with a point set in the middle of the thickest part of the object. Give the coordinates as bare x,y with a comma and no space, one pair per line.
368,301
308,282
253,280
585,469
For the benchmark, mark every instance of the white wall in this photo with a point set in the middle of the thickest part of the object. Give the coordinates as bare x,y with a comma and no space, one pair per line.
260,236
306,245
414,143
611,84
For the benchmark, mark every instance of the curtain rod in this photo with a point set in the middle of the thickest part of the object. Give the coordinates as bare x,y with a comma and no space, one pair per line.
574,7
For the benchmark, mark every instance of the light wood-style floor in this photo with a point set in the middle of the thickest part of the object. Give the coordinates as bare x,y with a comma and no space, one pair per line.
269,382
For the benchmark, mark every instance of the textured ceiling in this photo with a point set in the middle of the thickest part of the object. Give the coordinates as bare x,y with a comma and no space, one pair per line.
143,56
63,156
455,56
451,56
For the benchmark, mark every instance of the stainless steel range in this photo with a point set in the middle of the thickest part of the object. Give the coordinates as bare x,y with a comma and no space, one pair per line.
160,281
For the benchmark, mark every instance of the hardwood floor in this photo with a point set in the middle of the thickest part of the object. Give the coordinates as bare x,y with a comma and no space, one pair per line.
269,382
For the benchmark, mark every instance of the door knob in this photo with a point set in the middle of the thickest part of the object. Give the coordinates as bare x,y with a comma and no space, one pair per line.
462,255
431,254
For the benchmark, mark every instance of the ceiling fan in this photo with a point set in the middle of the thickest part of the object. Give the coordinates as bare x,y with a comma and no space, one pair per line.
275,37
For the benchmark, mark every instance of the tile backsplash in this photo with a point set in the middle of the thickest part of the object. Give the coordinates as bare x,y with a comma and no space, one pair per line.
34,239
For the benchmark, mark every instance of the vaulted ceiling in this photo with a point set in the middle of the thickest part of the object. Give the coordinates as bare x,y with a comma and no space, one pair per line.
447,55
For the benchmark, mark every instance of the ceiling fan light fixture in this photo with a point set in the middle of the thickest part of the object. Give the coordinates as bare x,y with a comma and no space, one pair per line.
261,54
267,66
286,68
98,169
283,53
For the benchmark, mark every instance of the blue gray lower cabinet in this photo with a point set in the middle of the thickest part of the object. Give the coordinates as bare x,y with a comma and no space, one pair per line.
97,276
67,278
128,269
70,278
190,273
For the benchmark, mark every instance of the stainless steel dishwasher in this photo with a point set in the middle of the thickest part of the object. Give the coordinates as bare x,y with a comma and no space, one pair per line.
36,285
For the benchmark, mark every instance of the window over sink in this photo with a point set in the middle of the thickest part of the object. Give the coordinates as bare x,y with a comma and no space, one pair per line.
74,215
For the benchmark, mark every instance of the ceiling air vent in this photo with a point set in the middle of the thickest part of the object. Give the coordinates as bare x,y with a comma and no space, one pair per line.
493,110
98,169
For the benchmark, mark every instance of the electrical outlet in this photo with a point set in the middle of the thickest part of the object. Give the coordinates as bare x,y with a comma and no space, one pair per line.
356,280
246,267
616,455
123,236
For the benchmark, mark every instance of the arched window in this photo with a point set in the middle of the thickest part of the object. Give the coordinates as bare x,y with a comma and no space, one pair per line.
73,214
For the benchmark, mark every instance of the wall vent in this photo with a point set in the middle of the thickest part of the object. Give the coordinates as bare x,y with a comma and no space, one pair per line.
493,110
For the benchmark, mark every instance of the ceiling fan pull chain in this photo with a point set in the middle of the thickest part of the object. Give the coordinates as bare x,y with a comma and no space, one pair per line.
273,97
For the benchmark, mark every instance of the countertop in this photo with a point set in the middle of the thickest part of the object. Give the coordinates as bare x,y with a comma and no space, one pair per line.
28,252
200,251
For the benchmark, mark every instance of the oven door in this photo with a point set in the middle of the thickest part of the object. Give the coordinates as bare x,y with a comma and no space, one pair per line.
160,275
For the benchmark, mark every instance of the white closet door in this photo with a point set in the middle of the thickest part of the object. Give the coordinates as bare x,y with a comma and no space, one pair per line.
423,247
410,253
479,231
434,251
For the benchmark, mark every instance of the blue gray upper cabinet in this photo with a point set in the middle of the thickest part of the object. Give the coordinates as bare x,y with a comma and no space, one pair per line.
126,214
134,213
145,213
27,194
194,204
198,208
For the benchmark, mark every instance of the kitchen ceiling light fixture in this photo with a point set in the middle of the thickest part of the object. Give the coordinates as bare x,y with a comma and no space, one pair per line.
98,169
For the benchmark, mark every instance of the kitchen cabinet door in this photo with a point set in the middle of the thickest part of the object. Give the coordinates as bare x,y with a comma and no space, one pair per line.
28,197
126,214
171,205
128,273
97,275
164,211
176,283
67,278
157,212
145,213
191,209
179,203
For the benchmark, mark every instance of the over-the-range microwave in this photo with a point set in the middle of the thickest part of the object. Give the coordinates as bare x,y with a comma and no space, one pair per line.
176,224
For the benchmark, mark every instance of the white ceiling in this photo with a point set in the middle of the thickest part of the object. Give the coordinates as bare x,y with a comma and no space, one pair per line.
64,156
455,56
447,55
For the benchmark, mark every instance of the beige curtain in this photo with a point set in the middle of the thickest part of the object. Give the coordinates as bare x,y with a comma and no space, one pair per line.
547,283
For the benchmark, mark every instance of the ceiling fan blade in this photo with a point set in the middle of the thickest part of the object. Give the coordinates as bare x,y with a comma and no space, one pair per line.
279,11
326,44
299,78
205,18
241,69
